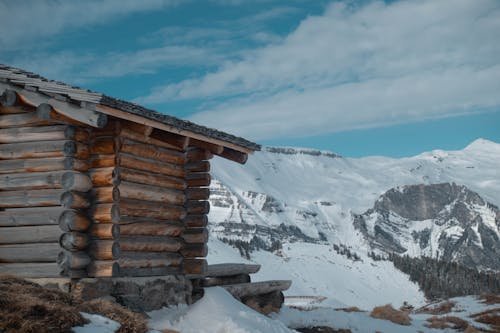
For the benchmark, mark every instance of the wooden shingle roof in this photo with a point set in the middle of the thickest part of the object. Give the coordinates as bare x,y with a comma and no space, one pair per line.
109,105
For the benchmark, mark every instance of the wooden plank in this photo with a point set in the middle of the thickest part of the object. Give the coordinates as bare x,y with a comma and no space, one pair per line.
128,190
169,128
137,163
153,153
142,177
41,149
149,259
31,252
32,198
30,234
152,227
80,114
30,216
151,243
257,288
30,270
151,209
22,120
42,133
68,180
42,164
231,269
103,268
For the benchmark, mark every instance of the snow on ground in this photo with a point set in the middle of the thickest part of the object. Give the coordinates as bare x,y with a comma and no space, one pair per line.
98,324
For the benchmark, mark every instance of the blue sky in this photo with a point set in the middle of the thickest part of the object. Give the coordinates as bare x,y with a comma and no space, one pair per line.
358,78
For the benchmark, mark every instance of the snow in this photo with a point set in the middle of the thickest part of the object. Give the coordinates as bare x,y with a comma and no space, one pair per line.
216,312
98,324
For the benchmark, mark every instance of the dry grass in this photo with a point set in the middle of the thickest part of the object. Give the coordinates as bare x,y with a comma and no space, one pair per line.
26,307
350,309
387,312
447,322
131,322
490,299
440,309
489,317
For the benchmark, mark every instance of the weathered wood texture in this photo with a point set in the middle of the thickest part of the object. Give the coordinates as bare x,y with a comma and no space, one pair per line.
31,270
31,252
30,216
221,281
68,180
230,269
257,288
42,149
31,234
42,133
149,259
103,268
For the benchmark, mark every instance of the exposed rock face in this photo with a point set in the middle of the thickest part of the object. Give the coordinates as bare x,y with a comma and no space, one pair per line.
445,221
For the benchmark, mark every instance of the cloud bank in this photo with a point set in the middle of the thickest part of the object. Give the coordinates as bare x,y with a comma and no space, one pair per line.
356,67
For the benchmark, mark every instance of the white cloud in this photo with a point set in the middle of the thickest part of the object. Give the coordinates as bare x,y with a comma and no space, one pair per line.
27,21
357,67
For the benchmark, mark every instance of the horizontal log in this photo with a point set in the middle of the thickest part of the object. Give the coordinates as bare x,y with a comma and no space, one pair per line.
197,193
194,250
198,179
103,268
149,259
103,146
68,180
104,249
213,148
75,200
126,133
105,213
265,303
140,129
151,209
31,270
31,198
195,235
147,178
110,130
257,288
232,269
103,176
197,166
42,133
197,207
194,267
195,221
153,153
31,234
129,190
9,98
15,109
39,149
198,154
103,161
221,281
176,140
22,120
104,231
234,155
150,271
43,164
151,243
73,220
152,228
72,260
102,194
74,241
65,112
137,163
30,216
32,252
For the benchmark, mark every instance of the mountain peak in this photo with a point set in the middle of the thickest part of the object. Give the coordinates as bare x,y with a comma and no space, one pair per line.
482,145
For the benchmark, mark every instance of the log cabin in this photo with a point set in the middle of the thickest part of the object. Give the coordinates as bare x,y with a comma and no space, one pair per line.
96,187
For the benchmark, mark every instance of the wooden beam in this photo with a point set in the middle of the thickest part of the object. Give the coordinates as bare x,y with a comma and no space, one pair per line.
61,148
103,268
152,227
151,243
216,149
177,140
128,190
169,128
42,164
234,155
31,198
149,259
42,133
65,179
74,241
72,260
31,270
22,120
257,288
30,234
231,269
104,249
31,252
30,216
193,250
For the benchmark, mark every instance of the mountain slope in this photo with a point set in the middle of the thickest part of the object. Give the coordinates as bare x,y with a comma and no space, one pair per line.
292,210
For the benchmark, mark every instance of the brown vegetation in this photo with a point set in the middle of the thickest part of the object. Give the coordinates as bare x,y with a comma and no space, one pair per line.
387,312
350,309
490,299
26,307
440,309
447,322
489,317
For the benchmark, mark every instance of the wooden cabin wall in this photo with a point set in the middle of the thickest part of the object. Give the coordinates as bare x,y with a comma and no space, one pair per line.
42,183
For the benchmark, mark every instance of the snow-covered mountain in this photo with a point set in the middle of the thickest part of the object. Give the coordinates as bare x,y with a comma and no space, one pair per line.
314,217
